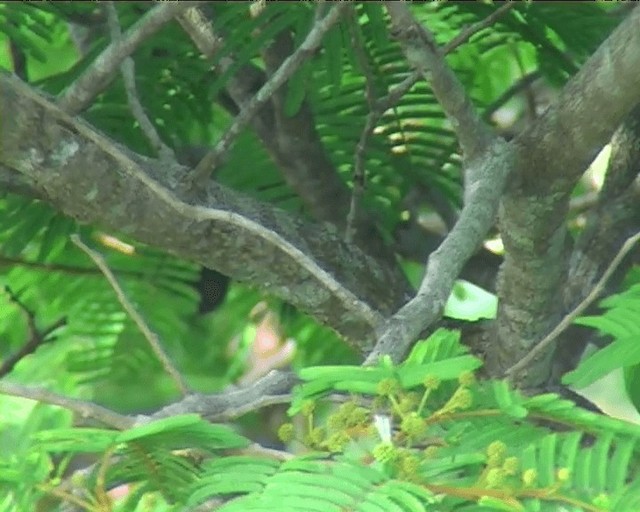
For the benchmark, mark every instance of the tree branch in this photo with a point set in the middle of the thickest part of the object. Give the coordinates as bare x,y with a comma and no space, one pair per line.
615,215
471,30
488,163
295,145
543,344
446,263
305,264
286,70
359,171
413,241
135,105
423,53
97,77
149,335
292,141
551,155
80,407
16,183
401,89
273,388
557,148
36,337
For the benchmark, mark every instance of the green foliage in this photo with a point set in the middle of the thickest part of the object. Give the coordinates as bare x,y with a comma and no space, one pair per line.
449,442
293,485
458,444
413,144
422,361
164,456
442,442
620,322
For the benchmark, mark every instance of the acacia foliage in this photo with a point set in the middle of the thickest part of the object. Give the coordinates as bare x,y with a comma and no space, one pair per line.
413,147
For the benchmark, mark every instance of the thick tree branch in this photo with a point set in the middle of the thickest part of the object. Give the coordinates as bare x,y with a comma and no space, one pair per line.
615,216
296,147
292,141
100,73
557,149
16,183
303,161
401,89
446,263
550,157
488,163
89,177
566,322
616,55
413,240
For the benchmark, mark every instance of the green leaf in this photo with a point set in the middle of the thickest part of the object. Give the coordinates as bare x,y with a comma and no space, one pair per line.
442,344
297,89
184,429
500,505
159,427
412,375
333,57
604,361
76,440
508,401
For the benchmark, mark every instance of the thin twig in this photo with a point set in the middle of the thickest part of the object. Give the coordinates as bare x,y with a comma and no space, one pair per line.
423,53
521,85
273,388
396,94
150,336
489,162
203,170
445,263
398,91
377,109
66,269
359,172
199,29
36,337
584,202
80,407
469,31
569,318
104,68
127,69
